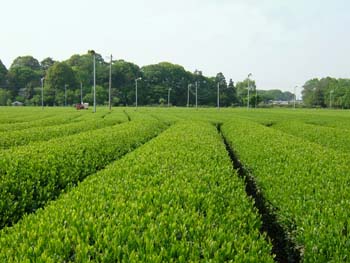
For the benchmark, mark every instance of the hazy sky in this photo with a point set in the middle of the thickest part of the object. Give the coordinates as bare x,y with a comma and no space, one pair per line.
282,43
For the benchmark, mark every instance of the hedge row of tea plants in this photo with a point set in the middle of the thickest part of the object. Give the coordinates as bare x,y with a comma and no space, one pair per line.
175,199
60,118
333,138
44,133
307,185
33,174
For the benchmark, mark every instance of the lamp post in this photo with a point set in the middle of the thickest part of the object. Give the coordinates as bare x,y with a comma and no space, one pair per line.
65,94
42,92
81,92
92,52
295,95
110,84
196,94
330,98
188,94
136,90
218,98
249,75
169,97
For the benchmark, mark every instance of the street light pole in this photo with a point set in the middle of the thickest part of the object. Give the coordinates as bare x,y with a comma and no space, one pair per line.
295,95
218,98
330,99
110,83
169,97
188,94
249,75
196,94
92,52
65,95
81,92
94,81
42,92
136,90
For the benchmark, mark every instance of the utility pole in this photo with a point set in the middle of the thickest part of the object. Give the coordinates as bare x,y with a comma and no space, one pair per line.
65,95
196,94
92,52
42,92
249,75
94,82
188,94
218,99
81,92
169,97
295,95
110,84
330,98
136,90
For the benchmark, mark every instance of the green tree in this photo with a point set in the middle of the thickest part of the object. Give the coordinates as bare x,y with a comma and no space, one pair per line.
3,75
158,78
123,81
60,77
5,97
24,74
46,63
26,61
242,92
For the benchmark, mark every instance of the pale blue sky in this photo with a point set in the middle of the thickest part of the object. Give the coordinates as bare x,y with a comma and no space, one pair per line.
283,43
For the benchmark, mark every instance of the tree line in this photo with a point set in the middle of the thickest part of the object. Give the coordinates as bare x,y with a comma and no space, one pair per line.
327,92
70,81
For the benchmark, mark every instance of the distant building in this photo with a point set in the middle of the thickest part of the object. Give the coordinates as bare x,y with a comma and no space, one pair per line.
17,103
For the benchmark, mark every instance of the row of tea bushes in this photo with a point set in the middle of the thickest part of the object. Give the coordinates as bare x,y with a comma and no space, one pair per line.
175,199
34,174
44,133
306,184
329,137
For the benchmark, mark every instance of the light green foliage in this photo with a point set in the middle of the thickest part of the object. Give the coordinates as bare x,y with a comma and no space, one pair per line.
175,199
34,174
47,120
306,183
43,133
333,138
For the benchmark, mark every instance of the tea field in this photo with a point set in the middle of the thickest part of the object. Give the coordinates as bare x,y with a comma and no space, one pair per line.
174,185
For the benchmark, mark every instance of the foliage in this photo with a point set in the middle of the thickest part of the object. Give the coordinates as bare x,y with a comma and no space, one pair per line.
34,174
327,92
3,75
60,78
5,97
47,63
305,183
275,94
42,133
175,199
333,138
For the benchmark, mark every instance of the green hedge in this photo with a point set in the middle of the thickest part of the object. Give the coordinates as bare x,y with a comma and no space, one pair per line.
33,174
334,138
307,184
175,199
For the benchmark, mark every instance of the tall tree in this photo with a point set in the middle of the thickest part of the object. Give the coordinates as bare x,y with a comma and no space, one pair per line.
60,78
47,63
26,61
242,92
3,75
23,76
